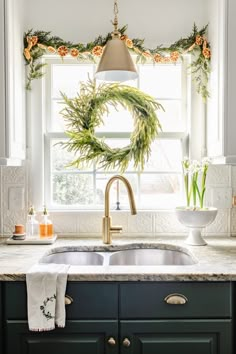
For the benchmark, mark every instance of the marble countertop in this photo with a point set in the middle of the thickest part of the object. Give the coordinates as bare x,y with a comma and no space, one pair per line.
215,262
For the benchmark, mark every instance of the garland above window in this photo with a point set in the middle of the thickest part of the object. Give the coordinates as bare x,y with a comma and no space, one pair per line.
39,43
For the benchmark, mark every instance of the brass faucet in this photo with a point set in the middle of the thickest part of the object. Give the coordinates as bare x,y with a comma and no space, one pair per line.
108,229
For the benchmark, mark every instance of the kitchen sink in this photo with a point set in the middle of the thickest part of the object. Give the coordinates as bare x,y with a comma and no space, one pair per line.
150,257
121,257
74,258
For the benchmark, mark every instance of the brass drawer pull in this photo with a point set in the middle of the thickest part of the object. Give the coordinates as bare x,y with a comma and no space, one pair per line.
111,341
126,343
68,300
176,299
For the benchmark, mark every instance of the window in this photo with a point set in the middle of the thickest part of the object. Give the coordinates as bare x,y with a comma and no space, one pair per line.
159,185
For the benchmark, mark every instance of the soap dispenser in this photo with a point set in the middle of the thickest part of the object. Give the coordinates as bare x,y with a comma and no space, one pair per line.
32,225
45,226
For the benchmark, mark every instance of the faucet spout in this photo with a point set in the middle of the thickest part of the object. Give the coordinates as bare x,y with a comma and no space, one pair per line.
108,229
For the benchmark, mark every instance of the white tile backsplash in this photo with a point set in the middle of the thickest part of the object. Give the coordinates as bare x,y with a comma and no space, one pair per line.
167,223
64,225
90,222
221,185
221,225
219,175
13,175
221,197
142,223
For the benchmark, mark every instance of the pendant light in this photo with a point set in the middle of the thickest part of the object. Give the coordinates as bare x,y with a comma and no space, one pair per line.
116,63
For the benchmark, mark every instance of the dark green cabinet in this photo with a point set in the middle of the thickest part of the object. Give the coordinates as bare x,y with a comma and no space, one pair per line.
127,318
201,324
79,337
176,336
92,319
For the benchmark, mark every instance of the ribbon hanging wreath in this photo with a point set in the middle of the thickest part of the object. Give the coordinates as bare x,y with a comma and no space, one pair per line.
84,113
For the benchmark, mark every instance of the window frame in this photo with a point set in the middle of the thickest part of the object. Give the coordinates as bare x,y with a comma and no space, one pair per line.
40,193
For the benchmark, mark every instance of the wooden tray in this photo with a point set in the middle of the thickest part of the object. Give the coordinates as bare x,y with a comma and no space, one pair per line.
32,241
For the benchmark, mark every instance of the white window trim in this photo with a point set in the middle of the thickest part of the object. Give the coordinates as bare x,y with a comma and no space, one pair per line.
39,162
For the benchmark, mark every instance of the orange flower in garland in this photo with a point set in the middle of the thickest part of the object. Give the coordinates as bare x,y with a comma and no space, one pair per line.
97,51
199,40
123,37
27,54
157,58
74,52
51,49
129,43
62,51
30,43
206,53
146,54
34,40
174,56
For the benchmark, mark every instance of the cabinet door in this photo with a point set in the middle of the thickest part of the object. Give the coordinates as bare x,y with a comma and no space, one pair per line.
176,337
78,337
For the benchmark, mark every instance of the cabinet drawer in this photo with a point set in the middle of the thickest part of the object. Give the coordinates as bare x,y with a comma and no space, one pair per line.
90,300
147,300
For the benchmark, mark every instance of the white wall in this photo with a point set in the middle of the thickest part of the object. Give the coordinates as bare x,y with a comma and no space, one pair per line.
158,21
15,74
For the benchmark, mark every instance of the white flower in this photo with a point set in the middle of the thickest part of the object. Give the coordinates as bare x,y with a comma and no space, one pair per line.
195,166
206,161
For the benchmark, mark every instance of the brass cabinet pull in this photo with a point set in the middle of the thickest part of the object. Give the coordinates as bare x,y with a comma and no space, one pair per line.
68,300
126,343
176,299
111,341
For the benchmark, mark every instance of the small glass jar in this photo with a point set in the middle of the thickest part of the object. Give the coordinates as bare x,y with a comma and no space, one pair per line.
32,225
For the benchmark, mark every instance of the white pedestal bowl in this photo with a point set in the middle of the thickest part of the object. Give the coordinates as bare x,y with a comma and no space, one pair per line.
195,220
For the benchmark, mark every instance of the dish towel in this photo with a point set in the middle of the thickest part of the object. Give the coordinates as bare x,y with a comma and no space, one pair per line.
46,287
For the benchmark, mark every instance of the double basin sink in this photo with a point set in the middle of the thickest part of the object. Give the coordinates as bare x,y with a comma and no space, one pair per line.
125,257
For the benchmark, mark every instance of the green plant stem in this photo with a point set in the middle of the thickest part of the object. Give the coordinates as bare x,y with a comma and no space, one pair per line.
203,186
186,189
194,184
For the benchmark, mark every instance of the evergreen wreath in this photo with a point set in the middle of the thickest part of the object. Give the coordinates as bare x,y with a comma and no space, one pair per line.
84,113
39,43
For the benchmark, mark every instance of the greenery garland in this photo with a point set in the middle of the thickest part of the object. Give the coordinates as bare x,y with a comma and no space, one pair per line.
38,43
84,113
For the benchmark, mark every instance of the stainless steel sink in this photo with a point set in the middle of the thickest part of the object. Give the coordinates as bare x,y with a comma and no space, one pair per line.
130,257
74,258
150,257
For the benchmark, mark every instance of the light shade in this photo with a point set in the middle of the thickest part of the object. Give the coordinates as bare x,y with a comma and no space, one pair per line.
116,63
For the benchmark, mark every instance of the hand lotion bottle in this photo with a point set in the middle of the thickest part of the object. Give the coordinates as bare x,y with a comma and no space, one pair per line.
45,226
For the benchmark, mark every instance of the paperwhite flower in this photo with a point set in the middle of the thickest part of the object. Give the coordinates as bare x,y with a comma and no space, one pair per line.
195,166
206,161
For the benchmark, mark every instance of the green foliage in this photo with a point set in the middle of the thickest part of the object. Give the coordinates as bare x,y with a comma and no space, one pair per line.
199,68
84,113
34,73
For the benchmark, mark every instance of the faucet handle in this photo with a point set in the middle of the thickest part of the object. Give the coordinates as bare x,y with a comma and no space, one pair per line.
116,229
